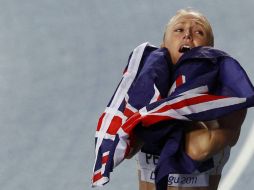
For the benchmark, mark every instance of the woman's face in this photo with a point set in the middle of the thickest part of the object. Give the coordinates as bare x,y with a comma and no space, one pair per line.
184,33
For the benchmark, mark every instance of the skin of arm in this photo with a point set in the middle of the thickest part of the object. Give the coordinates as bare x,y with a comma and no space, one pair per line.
208,138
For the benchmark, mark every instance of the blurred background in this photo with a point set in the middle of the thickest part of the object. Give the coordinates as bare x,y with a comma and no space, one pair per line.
60,62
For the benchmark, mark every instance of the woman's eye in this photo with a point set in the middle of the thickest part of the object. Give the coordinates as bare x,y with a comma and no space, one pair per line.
178,30
200,32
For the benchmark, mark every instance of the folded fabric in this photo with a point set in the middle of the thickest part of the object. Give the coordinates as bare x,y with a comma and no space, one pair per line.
205,84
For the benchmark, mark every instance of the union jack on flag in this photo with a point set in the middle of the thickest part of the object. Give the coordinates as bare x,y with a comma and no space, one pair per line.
205,84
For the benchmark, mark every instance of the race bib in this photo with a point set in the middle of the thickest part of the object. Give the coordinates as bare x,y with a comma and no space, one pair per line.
148,162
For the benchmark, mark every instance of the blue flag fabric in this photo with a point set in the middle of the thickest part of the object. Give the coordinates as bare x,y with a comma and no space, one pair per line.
205,84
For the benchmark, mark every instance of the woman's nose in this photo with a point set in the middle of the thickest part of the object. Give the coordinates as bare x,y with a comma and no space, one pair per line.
188,35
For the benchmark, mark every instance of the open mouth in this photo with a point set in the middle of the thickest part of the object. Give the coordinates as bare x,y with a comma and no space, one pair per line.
184,48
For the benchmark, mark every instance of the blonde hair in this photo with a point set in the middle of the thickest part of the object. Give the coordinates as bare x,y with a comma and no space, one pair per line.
199,15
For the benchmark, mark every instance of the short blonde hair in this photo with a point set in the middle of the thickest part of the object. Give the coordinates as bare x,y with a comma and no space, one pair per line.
199,15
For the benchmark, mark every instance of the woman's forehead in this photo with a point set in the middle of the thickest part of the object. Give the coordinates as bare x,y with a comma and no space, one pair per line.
188,18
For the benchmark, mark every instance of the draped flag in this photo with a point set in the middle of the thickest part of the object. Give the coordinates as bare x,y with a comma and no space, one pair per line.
205,84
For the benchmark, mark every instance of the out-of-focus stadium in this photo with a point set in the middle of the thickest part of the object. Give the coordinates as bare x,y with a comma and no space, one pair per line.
60,62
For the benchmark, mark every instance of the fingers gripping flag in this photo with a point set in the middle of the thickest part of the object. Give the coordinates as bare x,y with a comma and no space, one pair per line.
205,84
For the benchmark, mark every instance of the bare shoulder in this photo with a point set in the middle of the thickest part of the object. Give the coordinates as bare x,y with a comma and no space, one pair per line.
233,120
232,124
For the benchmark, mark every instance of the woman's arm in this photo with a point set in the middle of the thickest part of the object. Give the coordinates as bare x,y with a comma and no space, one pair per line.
208,138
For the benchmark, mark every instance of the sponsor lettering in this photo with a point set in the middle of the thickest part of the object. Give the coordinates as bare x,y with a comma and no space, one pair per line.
181,180
152,176
152,159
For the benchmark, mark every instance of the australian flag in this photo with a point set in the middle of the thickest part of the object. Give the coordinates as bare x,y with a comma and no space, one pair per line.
205,84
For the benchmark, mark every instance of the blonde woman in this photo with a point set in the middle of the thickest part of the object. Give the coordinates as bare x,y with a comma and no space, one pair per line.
187,29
